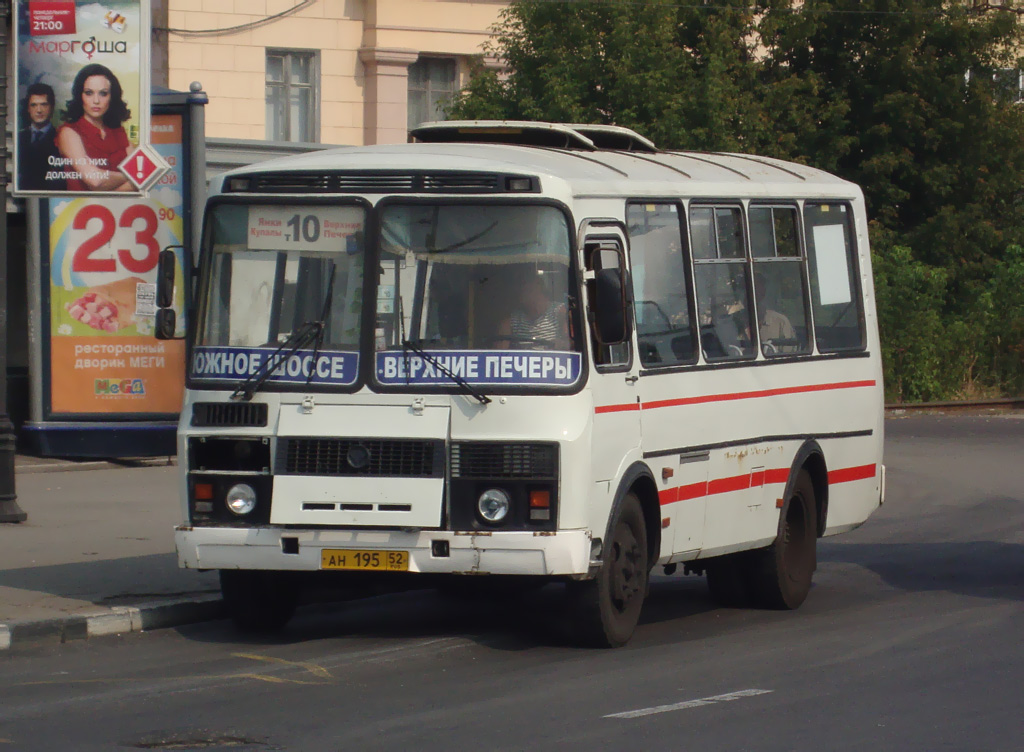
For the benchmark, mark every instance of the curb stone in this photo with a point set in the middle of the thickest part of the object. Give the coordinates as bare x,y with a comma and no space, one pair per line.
117,620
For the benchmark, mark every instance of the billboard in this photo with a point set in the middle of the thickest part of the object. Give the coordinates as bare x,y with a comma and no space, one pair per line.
103,251
82,97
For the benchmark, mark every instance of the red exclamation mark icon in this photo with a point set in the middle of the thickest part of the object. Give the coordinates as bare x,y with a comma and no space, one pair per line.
138,167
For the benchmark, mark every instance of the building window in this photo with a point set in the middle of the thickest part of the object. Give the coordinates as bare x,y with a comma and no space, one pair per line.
292,96
432,84
1009,84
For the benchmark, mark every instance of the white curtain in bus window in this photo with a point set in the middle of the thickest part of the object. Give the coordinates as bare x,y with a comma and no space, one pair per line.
830,258
252,284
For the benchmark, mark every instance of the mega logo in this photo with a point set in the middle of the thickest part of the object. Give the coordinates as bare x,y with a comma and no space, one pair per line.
118,387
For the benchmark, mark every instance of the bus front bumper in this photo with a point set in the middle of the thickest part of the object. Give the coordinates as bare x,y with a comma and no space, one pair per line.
565,552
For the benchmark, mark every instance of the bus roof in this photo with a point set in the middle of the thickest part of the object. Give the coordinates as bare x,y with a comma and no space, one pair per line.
584,168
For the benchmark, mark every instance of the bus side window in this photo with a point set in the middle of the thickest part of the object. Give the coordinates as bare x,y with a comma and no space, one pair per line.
780,298
722,280
663,313
835,291
605,254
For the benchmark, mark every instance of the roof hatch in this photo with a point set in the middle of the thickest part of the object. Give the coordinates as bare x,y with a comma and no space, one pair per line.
529,133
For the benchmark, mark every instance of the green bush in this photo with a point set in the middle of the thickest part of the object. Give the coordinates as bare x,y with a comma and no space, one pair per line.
934,351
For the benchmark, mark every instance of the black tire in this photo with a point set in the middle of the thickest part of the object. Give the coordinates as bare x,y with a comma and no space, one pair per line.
259,601
780,575
605,610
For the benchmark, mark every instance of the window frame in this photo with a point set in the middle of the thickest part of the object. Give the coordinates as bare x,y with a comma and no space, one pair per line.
427,60
288,55
714,205
857,290
686,259
800,259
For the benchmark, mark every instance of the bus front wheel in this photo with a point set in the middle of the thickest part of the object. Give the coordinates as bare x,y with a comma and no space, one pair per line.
258,601
606,609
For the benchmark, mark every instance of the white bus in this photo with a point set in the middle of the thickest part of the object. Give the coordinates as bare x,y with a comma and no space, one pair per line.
535,351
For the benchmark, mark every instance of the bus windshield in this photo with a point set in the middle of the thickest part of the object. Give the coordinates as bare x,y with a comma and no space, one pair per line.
475,277
270,271
275,273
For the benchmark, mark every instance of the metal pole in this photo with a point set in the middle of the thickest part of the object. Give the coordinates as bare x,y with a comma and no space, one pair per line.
9,509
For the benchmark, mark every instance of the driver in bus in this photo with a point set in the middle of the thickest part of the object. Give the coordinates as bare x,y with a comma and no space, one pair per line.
537,320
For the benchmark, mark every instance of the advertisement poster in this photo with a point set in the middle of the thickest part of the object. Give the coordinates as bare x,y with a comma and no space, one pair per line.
102,290
82,96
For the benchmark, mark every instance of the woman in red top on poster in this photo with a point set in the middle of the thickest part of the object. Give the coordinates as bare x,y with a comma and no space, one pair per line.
93,137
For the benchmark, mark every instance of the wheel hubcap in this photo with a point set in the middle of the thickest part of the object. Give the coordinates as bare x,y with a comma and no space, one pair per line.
627,577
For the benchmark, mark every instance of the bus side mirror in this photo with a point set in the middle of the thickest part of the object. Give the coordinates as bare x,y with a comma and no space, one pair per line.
610,307
165,270
163,327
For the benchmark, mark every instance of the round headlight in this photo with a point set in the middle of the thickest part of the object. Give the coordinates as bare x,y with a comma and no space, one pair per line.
493,505
241,499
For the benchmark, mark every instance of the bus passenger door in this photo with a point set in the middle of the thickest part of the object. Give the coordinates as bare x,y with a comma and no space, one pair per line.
613,381
666,332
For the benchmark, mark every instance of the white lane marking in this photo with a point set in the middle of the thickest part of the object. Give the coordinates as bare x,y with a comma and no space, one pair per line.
729,697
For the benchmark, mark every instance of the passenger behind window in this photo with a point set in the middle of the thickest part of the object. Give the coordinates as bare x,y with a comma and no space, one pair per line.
777,333
537,321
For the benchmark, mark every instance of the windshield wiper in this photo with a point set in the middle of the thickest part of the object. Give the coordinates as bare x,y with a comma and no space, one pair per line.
303,335
311,331
324,313
483,399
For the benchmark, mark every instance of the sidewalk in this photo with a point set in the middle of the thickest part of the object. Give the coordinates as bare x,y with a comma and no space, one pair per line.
96,554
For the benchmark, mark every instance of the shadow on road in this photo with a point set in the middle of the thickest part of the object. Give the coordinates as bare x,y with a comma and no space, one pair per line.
983,569
503,621
109,582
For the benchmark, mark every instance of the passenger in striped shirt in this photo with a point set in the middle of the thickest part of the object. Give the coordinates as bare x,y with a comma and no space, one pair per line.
538,322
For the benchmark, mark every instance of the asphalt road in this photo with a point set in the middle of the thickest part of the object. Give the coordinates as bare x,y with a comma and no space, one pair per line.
910,640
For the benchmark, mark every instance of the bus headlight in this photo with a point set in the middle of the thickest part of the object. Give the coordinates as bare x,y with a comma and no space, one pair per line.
493,505
241,499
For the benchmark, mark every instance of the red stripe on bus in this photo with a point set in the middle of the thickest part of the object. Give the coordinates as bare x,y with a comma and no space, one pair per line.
846,474
754,480
692,491
725,485
617,408
757,394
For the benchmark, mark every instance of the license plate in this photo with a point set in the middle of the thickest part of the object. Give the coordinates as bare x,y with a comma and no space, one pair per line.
369,561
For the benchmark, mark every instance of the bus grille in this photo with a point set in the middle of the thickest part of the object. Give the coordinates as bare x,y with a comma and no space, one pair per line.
378,182
401,458
229,414
487,460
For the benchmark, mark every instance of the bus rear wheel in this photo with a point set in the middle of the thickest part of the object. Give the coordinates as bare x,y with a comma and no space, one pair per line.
780,575
258,601
606,609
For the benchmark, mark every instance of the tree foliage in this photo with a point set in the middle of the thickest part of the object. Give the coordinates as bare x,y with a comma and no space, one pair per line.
903,97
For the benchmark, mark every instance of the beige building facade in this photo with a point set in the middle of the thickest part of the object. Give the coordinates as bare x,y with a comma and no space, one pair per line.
329,71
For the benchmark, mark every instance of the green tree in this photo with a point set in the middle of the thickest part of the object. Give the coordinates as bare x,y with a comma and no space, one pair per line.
899,96
680,75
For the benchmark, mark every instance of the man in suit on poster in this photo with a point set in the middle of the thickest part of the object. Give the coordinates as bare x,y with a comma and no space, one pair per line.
36,142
